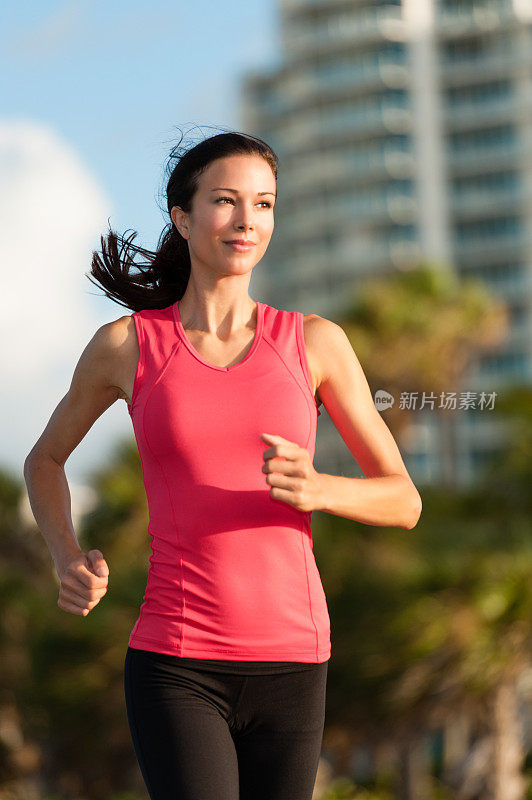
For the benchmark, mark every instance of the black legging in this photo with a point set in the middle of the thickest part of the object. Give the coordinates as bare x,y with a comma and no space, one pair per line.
201,735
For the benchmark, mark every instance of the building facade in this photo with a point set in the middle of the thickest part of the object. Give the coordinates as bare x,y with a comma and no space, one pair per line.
404,133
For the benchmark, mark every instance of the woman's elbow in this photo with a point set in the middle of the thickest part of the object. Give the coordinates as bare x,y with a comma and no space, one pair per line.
415,512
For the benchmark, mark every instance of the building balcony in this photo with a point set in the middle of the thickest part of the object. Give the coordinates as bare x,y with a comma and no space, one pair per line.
476,202
491,248
322,124
487,159
484,67
497,110
335,170
336,31
305,86
494,15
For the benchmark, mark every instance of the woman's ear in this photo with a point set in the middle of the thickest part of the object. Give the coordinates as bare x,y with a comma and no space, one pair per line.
179,218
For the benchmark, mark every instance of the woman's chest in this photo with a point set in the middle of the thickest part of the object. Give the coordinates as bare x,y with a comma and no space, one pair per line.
222,356
229,355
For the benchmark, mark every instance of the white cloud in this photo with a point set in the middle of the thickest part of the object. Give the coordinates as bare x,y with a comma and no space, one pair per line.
52,211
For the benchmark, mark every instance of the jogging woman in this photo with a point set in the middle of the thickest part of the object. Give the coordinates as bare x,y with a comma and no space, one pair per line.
226,666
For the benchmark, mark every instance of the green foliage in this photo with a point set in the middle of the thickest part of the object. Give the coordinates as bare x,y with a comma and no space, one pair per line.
63,672
422,621
419,328
345,789
10,492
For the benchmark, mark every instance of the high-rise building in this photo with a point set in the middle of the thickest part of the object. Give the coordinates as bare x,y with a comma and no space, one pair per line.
404,132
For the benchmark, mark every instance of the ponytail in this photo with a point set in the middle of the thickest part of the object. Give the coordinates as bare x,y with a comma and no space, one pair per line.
162,277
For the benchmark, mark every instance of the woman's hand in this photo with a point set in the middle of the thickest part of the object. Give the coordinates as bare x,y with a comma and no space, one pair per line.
83,583
291,474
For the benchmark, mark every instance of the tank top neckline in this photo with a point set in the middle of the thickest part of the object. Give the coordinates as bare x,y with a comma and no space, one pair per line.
255,343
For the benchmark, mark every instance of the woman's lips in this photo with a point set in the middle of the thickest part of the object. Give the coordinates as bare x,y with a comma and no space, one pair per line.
241,247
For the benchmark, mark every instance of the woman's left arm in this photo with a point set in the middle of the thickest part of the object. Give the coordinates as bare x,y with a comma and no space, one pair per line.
387,495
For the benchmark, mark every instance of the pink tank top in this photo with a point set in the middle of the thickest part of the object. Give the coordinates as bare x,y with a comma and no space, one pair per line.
232,572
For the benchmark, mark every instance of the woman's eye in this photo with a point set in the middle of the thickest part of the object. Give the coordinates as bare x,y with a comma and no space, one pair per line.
263,202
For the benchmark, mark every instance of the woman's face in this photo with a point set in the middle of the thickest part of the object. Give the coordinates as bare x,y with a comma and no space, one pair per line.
219,214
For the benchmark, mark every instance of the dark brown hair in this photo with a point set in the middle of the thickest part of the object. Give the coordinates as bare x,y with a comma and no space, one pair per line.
162,278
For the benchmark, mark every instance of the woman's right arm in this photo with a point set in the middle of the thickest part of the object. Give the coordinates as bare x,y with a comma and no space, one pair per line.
96,384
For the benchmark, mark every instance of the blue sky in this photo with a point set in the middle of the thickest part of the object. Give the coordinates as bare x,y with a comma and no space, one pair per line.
115,78
92,93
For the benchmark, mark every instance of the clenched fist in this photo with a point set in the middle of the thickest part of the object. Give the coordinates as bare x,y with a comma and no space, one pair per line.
291,474
83,583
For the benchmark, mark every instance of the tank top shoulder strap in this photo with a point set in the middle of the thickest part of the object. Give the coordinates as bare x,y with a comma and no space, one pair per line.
157,340
284,331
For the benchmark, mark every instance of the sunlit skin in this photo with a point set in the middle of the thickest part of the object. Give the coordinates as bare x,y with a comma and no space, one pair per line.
216,300
291,473
218,311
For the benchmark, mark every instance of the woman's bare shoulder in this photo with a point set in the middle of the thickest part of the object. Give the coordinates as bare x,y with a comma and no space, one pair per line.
315,331
116,343
318,330
113,338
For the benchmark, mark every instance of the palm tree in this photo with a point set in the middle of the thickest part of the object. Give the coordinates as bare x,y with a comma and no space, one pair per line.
419,331
61,675
433,628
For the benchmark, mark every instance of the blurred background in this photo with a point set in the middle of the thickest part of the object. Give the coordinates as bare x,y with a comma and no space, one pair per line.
404,213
